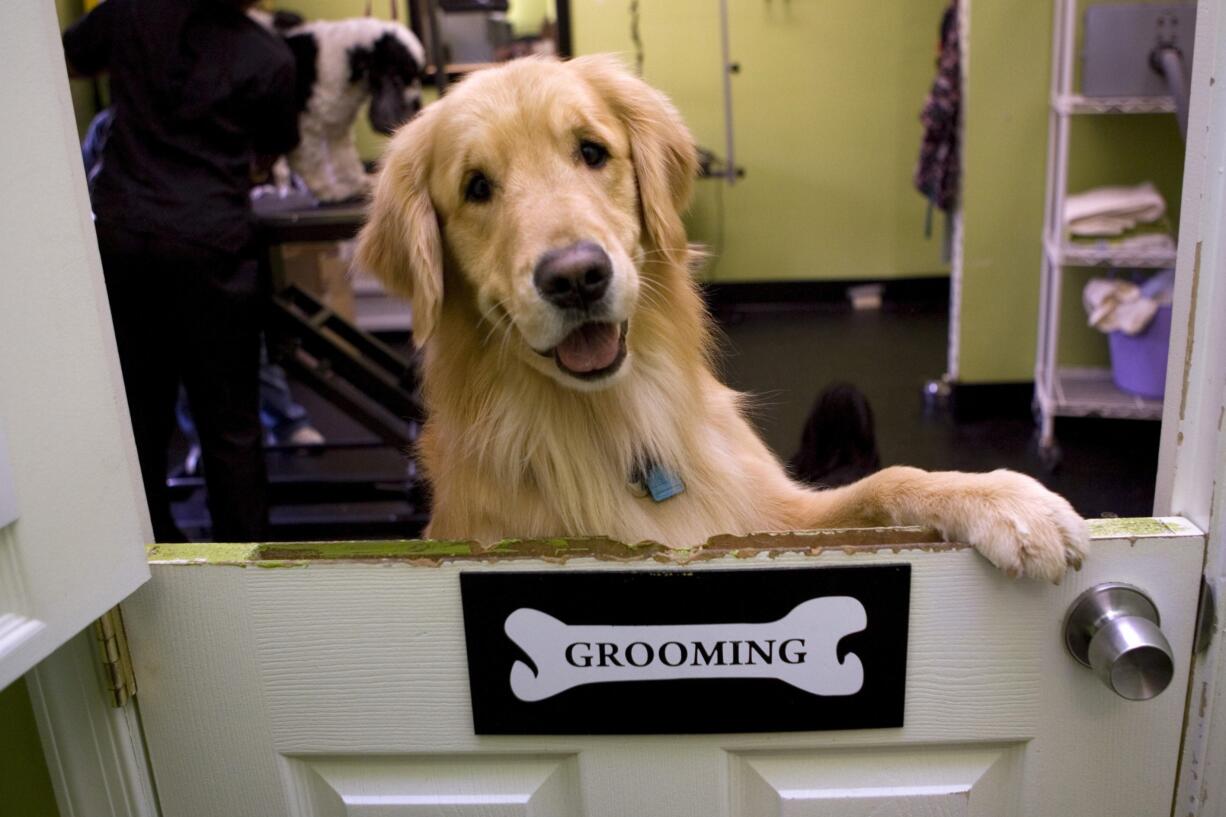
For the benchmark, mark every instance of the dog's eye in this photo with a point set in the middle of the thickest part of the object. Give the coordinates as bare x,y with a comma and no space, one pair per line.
593,153
478,189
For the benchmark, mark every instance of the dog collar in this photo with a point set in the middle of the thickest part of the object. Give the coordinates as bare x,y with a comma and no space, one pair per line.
654,480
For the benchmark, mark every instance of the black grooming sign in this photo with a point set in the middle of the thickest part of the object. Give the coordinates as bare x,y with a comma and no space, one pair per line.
678,652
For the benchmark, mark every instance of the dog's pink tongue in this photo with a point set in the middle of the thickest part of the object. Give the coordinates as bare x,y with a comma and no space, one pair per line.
589,348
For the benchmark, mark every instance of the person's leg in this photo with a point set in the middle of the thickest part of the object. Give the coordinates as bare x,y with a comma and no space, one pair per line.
283,416
222,309
183,415
139,302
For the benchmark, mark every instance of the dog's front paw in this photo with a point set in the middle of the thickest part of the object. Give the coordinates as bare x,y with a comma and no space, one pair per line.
1020,526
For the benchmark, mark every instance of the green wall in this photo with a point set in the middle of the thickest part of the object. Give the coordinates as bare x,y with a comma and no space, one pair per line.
84,93
826,126
25,784
337,9
1005,159
527,16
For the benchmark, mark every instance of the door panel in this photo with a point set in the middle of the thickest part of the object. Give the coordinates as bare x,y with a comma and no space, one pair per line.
78,543
440,786
945,782
322,686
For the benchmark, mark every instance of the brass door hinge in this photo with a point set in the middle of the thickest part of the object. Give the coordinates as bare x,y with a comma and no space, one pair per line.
116,660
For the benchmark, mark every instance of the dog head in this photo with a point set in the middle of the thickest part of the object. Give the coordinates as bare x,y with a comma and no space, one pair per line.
390,67
547,195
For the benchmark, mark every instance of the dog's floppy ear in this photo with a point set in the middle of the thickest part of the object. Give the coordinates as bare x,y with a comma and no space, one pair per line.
400,243
665,160
360,58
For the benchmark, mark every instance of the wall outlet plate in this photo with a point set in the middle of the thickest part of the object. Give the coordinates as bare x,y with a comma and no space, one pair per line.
1119,39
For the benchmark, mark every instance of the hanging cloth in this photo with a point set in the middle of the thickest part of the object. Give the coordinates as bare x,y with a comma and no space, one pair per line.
937,172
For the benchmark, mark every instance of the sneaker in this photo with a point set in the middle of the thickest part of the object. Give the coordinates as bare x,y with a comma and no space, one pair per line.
191,463
304,435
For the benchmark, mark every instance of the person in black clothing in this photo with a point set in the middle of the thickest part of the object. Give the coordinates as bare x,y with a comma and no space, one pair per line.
201,96
839,443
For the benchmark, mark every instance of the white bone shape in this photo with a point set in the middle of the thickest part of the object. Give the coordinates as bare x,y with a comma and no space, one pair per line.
801,647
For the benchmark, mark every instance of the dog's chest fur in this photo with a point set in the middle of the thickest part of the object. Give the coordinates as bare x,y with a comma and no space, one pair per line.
534,460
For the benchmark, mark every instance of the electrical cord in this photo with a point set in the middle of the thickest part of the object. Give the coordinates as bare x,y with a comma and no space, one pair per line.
635,37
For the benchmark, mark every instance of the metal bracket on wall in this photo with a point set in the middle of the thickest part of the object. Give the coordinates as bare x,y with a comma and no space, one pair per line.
436,46
731,172
116,660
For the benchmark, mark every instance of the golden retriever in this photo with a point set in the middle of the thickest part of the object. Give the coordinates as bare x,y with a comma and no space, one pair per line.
533,219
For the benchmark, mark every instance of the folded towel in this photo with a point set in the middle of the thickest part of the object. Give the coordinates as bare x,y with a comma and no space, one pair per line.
1136,243
1106,211
1119,306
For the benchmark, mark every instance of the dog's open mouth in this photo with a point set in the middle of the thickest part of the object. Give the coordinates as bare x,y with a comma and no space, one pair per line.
592,351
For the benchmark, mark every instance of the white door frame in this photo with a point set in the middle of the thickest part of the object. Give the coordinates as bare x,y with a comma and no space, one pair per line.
1192,461
95,752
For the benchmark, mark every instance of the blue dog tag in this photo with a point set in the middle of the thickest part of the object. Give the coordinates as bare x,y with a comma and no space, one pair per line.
662,484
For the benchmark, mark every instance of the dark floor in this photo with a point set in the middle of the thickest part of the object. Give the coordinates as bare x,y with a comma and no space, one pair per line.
783,356
786,357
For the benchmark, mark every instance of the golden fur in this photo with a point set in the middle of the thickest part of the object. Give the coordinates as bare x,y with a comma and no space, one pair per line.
513,446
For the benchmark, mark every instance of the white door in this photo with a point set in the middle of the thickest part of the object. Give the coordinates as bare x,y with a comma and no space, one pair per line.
291,680
73,523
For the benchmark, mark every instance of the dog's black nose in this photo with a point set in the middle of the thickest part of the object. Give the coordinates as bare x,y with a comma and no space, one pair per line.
573,277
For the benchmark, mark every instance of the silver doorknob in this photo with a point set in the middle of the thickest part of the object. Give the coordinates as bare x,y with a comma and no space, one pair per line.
1113,629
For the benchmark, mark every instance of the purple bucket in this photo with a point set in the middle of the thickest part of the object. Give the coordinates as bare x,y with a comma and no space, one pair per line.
1138,362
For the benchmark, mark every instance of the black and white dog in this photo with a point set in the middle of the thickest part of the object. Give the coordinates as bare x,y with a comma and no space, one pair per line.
342,64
